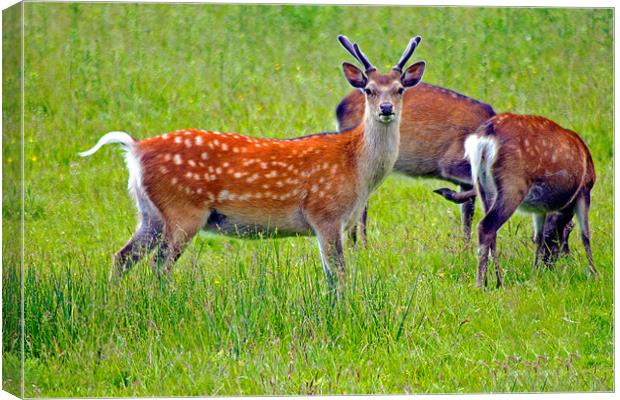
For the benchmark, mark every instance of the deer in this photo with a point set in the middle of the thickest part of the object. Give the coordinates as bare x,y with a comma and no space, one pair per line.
191,180
531,164
434,124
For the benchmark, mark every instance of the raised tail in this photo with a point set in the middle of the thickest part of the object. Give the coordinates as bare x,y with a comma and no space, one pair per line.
112,137
132,157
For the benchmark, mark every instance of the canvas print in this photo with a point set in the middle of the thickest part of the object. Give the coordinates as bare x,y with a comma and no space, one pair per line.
226,200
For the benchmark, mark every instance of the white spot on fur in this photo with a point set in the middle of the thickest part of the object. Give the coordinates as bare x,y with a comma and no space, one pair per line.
204,155
199,140
191,163
178,139
223,195
177,159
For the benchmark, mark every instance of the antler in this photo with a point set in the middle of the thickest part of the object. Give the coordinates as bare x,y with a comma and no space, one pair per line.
348,46
362,57
355,51
413,43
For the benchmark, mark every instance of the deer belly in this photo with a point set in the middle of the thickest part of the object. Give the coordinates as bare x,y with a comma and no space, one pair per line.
550,194
234,221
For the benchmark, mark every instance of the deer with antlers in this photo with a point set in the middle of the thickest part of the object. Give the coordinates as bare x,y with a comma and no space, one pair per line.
532,164
189,180
434,124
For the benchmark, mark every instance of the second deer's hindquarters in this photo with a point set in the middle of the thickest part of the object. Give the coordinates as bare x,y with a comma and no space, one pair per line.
530,163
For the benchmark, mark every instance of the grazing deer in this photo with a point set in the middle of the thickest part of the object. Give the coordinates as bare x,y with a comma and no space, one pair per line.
190,180
434,124
529,163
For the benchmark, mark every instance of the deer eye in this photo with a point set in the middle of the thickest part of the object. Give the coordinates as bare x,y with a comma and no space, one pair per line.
401,90
368,91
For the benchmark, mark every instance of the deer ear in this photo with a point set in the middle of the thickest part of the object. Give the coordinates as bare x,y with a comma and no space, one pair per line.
354,75
413,74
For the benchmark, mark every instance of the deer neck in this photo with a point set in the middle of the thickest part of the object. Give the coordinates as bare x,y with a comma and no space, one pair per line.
379,151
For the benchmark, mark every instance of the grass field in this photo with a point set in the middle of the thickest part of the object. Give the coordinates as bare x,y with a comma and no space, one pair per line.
254,317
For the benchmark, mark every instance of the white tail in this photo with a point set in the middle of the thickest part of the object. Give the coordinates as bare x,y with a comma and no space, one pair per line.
481,153
112,137
131,158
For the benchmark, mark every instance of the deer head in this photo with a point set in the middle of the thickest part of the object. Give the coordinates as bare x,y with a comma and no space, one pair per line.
383,92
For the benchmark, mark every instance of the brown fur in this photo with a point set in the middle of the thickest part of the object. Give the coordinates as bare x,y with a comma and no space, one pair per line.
541,168
434,123
192,179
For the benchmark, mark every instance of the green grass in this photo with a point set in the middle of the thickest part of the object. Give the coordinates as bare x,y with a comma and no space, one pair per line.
254,317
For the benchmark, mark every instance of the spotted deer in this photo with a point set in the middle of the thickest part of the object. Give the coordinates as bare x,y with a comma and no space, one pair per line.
434,124
532,164
192,179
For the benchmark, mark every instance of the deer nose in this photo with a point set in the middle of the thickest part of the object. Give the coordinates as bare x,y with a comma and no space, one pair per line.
386,108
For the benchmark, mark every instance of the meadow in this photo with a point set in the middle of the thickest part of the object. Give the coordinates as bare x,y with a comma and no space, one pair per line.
241,317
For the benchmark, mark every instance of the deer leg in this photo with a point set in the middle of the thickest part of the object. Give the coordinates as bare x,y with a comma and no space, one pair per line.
456,197
565,236
554,234
467,212
539,226
583,209
332,256
362,226
358,230
177,236
144,239
504,206
498,272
